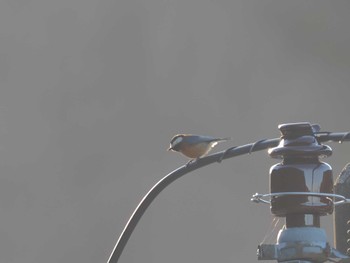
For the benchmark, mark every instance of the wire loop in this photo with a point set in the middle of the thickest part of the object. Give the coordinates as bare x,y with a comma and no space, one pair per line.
344,137
254,145
260,198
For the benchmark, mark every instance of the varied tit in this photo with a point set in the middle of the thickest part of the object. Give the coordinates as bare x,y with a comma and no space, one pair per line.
193,146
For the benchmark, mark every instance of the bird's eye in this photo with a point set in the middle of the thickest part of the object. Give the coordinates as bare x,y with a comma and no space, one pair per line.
176,141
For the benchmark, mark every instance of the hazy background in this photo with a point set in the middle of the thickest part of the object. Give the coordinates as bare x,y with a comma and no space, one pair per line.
91,91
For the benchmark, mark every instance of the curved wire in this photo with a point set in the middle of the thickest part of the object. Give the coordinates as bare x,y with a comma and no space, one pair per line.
179,172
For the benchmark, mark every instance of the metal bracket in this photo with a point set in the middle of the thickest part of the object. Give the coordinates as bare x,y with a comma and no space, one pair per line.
260,198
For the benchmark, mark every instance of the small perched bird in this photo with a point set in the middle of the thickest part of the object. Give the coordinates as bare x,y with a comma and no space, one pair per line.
193,146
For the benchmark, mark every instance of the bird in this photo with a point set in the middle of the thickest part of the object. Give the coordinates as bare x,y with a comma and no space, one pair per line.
194,146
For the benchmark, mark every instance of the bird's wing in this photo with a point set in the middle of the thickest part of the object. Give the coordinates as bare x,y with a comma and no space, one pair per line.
193,139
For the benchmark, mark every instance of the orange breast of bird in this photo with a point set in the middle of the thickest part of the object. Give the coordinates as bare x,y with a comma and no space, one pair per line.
195,151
